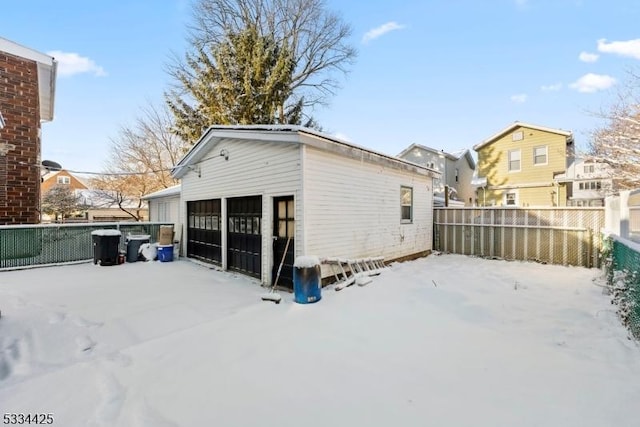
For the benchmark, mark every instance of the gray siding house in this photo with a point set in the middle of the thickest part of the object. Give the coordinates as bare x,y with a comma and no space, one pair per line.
457,170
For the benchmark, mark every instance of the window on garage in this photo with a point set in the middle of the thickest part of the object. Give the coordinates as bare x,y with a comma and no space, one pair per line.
406,204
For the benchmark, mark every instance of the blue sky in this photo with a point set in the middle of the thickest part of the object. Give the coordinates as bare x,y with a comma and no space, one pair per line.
442,73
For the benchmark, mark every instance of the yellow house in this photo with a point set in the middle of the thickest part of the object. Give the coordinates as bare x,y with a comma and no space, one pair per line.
518,166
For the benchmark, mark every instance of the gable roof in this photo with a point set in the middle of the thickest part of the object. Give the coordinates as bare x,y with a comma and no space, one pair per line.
517,125
47,69
64,172
286,134
165,192
457,155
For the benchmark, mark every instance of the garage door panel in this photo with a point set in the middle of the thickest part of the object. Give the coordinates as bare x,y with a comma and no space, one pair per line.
204,238
244,236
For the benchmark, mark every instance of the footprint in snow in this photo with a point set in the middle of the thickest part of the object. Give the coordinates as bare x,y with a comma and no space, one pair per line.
119,359
85,323
85,343
147,416
56,318
112,397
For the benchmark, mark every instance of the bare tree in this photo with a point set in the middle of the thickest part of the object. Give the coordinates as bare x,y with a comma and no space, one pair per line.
60,201
140,162
617,143
316,37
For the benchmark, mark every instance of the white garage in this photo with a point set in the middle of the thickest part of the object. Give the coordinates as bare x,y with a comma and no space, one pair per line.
249,192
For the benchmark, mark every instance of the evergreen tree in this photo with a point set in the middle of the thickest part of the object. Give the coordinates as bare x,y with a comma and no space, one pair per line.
243,80
257,61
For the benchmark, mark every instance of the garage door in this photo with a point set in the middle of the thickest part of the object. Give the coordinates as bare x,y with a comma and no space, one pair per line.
244,235
203,230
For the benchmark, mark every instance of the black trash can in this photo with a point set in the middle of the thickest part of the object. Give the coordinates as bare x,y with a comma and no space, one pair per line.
306,280
106,244
133,245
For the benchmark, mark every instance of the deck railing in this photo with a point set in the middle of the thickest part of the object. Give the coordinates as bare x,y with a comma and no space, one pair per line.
29,245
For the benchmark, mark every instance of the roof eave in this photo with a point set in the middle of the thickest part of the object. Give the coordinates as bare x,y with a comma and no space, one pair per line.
515,125
287,134
47,70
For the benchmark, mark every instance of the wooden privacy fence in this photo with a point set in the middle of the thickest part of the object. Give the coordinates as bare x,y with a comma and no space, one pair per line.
567,236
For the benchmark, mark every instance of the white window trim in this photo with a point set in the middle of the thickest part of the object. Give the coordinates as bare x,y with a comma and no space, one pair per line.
403,220
509,161
64,180
517,136
546,155
517,198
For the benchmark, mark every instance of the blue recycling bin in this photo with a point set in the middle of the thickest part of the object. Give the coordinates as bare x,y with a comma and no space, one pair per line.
306,280
165,253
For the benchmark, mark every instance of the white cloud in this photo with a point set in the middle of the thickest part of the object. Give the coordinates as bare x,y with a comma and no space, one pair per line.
519,98
588,57
590,83
630,48
71,63
551,88
381,30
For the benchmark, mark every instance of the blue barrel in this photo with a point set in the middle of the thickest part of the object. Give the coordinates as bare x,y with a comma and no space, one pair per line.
306,280
165,253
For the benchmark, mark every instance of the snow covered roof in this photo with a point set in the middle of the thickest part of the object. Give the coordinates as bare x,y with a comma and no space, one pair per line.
283,134
47,68
438,202
478,181
98,199
516,125
456,155
165,192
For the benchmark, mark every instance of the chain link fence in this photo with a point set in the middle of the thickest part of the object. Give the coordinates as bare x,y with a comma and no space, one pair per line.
28,245
622,265
566,236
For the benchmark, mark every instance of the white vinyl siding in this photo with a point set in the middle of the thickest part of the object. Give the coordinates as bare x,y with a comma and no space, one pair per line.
165,209
267,169
352,208
514,160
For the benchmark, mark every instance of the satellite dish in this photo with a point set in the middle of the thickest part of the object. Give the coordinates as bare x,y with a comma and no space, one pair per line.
50,165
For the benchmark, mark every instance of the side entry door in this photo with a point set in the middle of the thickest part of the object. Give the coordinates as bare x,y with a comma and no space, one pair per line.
284,227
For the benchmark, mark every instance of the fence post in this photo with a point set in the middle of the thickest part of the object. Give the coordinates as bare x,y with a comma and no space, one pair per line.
589,260
624,214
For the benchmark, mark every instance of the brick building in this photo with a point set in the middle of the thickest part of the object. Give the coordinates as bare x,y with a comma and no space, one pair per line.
27,89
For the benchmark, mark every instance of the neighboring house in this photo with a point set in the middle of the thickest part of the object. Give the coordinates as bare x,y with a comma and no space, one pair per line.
63,178
519,166
102,208
66,179
456,169
588,182
247,191
96,206
27,89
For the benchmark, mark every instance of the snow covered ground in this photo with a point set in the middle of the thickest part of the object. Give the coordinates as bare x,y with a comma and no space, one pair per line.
442,341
